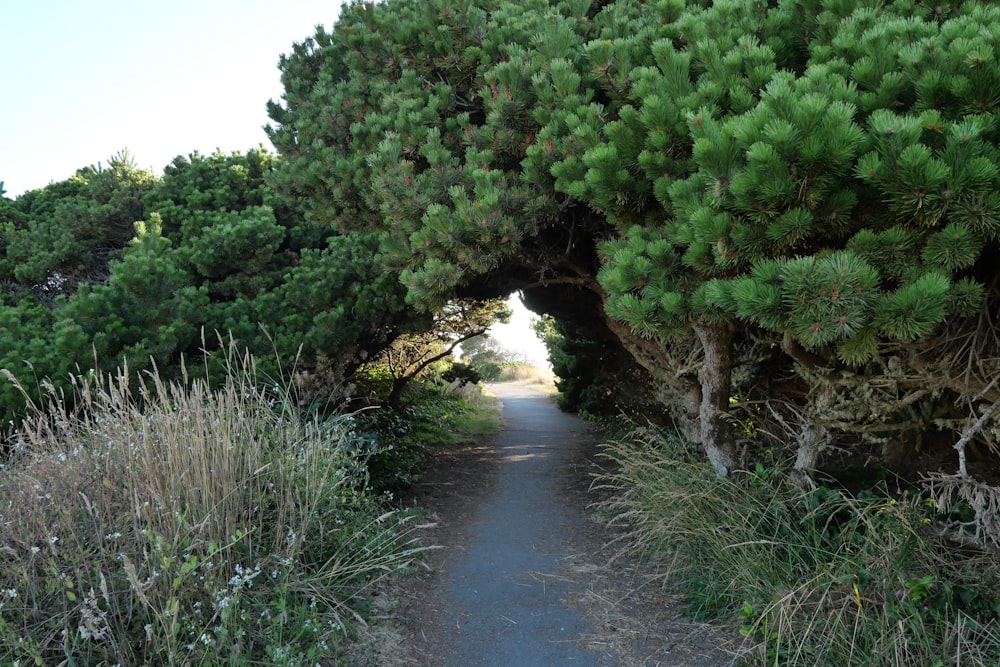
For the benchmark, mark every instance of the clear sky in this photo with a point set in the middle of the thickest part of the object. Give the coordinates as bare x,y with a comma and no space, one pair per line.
82,80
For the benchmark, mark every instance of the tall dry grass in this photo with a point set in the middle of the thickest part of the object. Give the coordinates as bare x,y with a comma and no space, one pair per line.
813,578
526,374
179,523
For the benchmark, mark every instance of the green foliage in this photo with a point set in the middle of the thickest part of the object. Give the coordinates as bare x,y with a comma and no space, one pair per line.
385,128
209,248
591,378
26,350
68,232
425,349
430,419
490,371
148,308
782,172
487,357
823,174
462,373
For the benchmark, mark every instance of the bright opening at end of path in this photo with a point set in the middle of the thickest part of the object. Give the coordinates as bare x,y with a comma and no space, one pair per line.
517,335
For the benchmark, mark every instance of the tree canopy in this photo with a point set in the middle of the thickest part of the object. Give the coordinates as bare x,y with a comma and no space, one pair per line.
782,215
116,265
721,179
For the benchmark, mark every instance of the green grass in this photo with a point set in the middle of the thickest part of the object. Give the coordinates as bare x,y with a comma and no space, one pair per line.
184,524
812,578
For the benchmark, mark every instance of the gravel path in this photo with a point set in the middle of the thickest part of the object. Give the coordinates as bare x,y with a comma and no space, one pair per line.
506,603
527,577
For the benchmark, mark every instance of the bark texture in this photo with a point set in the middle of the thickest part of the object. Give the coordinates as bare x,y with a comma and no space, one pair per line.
715,376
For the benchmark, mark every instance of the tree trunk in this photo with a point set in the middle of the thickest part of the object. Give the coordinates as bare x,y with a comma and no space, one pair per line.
690,424
395,398
704,404
814,436
715,377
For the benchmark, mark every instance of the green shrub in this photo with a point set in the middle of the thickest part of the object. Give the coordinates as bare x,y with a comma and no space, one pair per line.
462,373
816,577
491,371
177,523
434,416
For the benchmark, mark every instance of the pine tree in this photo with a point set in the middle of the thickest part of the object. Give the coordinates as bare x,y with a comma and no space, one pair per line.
818,174
832,204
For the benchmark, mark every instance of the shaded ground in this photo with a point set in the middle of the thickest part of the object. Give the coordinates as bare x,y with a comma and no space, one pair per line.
528,574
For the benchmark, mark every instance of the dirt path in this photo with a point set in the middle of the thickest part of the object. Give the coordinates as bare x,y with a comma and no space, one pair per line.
527,576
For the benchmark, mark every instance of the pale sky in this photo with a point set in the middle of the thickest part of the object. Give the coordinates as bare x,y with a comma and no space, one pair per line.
518,336
81,81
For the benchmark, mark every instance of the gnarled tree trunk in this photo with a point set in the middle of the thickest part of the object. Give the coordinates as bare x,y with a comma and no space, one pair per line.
715,377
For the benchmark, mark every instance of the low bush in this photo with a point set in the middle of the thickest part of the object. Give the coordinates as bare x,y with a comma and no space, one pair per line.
434,416
815,577
461,373
182,524
491,371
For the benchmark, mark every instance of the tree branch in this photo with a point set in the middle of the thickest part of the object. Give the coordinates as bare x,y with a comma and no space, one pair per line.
971,433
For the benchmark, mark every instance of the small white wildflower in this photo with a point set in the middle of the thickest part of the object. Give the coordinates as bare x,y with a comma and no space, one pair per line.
11,593
53,539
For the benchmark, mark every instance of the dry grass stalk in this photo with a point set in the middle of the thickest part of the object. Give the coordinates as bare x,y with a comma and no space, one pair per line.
156,522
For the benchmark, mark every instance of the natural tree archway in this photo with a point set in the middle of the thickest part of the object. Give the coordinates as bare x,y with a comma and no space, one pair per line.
730,173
